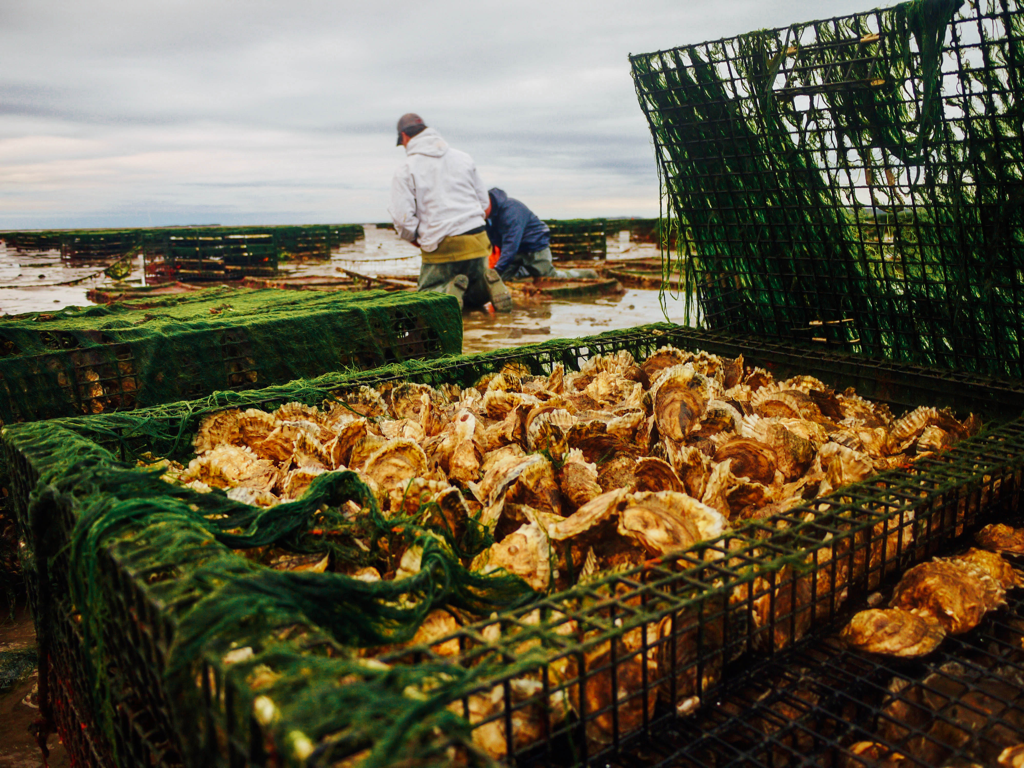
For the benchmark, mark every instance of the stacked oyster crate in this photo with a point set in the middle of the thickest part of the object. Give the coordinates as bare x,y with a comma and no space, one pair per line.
187,620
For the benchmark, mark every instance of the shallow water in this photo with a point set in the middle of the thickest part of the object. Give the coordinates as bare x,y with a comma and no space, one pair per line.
37,282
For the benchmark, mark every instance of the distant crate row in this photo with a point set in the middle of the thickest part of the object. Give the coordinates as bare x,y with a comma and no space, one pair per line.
254,250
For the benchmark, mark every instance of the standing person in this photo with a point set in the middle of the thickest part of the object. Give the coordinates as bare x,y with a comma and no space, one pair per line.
438,204
524,241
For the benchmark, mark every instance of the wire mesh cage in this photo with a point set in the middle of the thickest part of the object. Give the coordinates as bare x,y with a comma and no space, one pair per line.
853,182
198,656
102,359
578,239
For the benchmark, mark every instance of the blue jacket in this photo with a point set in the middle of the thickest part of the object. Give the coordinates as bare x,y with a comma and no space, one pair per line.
514,228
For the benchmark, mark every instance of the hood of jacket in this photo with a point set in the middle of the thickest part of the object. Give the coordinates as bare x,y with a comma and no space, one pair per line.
427,142
498,197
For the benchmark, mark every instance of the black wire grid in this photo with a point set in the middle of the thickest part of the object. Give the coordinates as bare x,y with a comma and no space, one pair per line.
670,637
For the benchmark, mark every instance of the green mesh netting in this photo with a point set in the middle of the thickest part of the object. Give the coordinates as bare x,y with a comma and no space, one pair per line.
856,182
222,601
123,356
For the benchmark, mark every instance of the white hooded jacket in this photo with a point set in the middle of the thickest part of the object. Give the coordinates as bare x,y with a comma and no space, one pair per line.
436,192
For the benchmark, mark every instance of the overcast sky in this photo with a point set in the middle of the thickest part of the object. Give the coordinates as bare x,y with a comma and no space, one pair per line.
117,113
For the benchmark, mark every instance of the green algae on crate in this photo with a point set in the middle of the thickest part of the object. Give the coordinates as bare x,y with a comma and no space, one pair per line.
854,182
123,356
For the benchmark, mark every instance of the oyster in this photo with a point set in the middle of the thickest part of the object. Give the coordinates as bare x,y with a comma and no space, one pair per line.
394,465
668,521
720,418
906,430
227,466
366,402
618,472
592,439
594,526
614,684
948,593
609,388
843,466
252,496
666,357
547,429
696,638
532,717
295,483
654,474
438,624
1001,538
989,565
691,466
255,425
298,412
458,453
449,512
1012,757
577,479
893,632
680,398
751,459
525,553
218,428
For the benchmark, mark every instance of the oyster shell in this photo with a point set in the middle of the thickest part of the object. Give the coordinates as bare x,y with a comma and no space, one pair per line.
720,418
577,479
227,466
1001,538
295,483
667,521
751,459
298,412
617,472
666,357
991,565
893,632
948,593
255,425
365,446
692,466
395,464
654,474
547,429
680,398
366,402
618,697
218,428
438,624
463,453
908,428
696,638
524,553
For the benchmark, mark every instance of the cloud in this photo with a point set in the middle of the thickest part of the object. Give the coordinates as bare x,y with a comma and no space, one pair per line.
115,113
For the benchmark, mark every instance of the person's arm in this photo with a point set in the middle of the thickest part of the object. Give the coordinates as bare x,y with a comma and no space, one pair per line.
403,206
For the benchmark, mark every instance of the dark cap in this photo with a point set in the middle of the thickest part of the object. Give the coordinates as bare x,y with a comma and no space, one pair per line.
406,121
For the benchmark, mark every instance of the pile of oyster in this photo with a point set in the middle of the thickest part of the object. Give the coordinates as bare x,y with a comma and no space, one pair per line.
574,475
940,597
947,710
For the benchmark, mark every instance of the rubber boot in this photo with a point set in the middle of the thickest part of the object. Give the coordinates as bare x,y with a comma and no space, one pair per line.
501,298
457,287
583,274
